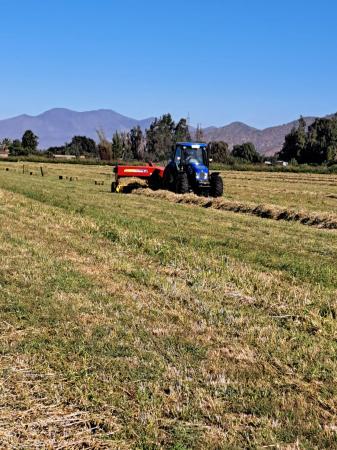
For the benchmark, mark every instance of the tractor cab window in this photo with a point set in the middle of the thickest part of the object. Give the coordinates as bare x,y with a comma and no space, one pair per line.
194,156
177,156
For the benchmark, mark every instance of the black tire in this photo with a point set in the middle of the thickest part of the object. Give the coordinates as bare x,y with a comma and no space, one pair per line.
168,180
216,185
155,181
113,186
182,185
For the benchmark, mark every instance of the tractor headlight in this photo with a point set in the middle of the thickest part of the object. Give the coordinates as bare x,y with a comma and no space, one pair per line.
202,176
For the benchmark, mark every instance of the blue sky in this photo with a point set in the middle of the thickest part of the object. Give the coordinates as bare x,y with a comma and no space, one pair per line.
260,62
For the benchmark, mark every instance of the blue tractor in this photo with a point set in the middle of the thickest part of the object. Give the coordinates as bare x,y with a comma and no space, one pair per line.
188,171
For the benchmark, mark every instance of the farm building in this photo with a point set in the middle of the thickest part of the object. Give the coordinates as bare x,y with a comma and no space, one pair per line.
64,156
4,152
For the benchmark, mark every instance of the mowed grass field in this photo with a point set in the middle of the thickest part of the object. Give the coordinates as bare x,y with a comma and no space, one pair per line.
311,192
135,322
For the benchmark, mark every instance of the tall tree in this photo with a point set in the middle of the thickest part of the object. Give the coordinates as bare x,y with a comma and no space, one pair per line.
137,143
160,138
104,146
295,143
117,146
322,141
182,132
30,141
126,145
199,134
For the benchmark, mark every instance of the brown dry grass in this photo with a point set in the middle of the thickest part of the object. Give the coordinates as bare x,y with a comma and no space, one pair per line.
266,211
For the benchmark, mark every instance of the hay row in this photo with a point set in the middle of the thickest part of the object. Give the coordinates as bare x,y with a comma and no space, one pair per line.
265,211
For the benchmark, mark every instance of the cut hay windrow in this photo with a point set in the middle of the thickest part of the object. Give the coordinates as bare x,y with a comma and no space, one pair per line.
327,221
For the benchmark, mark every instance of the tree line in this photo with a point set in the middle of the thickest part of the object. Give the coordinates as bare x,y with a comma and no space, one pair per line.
155,144
315,144
25,146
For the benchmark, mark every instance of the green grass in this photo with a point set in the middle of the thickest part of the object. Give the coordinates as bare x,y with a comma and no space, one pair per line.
160,325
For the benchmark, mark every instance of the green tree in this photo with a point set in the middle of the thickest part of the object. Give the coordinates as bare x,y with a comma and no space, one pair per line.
182,132
30,141
295,143
219,152
321,141
117,146
160,138
16,148
58,150
82,145
246,152
137,143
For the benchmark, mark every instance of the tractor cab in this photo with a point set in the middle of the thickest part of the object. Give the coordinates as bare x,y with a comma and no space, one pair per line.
187,153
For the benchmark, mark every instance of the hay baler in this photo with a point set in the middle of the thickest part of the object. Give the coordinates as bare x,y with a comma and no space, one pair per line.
153,175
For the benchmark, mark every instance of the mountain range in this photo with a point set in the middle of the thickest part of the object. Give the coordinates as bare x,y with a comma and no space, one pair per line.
267,141
59,125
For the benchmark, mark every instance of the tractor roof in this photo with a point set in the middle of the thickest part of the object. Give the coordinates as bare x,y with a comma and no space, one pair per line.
191,144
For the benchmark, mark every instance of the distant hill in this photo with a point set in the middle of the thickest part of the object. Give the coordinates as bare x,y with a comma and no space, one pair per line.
59,125
267,141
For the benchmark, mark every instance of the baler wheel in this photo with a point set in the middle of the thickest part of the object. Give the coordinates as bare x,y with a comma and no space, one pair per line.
155,181
115,187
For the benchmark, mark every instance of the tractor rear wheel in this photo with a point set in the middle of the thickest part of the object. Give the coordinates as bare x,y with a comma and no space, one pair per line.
216,185
182,186
113,186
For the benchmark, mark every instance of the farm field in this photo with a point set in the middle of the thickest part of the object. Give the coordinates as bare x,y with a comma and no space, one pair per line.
312,192
135,322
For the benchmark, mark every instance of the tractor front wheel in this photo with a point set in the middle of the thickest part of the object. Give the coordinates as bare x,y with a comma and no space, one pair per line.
216,185
182,186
